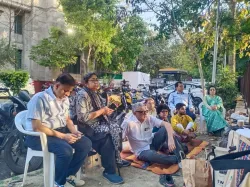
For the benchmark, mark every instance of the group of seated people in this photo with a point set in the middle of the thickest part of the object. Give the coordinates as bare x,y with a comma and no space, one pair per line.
51,113
212,108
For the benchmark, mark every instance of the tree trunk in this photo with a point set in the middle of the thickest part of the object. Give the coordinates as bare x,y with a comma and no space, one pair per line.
136,65
232,52
83,65
196,57
84,61
232,57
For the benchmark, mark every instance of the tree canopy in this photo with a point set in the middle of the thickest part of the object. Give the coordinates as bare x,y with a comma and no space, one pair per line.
129,43
57,51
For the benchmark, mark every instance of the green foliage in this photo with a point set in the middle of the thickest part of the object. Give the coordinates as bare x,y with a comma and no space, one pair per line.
129,43
158,53
57,51
7,52
94,25
15,80
226,87
184,14
80,12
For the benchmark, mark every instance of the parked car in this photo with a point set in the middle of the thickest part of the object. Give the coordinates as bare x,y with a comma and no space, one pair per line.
193,88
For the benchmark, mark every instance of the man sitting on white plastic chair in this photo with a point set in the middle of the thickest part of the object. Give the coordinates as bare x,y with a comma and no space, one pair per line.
178,96
48,112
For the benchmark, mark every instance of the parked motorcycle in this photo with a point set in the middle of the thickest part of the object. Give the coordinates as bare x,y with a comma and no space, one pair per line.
159,98
196,102
11,140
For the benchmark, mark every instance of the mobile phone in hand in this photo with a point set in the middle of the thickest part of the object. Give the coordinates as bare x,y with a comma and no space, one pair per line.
112,106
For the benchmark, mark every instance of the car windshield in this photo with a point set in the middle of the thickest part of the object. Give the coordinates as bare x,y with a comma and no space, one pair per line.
170,87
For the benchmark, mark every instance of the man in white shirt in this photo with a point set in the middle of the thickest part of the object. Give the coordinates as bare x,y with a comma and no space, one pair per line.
48,112
144,144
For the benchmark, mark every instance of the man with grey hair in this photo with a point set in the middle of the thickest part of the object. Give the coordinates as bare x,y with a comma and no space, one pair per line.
145,144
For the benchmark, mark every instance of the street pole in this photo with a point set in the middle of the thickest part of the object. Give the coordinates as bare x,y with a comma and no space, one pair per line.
216,43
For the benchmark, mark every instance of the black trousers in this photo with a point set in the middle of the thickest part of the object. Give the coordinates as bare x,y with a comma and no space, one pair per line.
106,149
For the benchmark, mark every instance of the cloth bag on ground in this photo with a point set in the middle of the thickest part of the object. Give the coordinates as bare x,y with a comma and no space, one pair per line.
239,143
219,176
196,173
227,162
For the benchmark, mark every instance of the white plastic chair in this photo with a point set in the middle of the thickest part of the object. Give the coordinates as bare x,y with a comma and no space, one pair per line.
202,127
48,158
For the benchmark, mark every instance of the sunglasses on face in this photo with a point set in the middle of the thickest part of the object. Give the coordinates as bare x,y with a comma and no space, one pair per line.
142,112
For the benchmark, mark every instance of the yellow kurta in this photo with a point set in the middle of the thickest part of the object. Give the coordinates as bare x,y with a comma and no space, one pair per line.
184,120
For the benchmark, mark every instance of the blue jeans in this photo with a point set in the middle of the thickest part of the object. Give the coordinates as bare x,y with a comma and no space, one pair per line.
152,156
66,162
191,114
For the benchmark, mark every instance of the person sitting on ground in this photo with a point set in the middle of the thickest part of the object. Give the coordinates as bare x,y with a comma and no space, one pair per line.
183,124
150,103
48,112
162,114
145,144
93,121
178,96
212,110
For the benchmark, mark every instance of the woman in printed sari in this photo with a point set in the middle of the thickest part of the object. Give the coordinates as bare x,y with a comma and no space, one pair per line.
93,121
212,110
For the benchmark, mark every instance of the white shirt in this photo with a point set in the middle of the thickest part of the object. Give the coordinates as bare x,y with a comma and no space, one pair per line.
140,134
44,106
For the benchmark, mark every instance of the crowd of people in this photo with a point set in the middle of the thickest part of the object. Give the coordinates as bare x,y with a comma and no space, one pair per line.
148,129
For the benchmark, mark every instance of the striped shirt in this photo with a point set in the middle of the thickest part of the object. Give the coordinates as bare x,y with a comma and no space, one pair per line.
51,111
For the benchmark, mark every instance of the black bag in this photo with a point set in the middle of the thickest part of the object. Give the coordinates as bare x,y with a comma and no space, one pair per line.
88,131
227,162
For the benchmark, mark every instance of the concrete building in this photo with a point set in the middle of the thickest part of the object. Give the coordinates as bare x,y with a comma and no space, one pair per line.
25,23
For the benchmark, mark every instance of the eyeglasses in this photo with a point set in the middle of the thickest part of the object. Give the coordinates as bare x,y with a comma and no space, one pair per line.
212,89
142,112
94,80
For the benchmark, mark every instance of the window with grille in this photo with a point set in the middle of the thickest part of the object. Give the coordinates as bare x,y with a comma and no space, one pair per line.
18,23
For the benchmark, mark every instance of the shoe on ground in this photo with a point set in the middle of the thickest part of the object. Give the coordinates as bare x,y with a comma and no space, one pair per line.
66,185
113,178
124,163
180,165
166,180
74,181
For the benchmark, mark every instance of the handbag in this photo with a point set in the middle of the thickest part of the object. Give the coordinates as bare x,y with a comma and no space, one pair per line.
246,181
219,176
227,162
88,131
196,173
238,143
